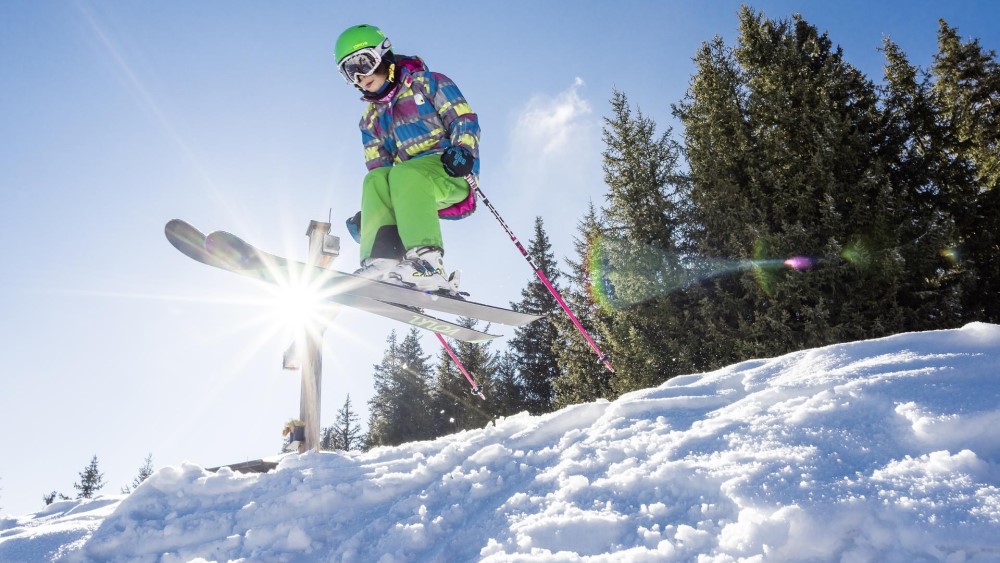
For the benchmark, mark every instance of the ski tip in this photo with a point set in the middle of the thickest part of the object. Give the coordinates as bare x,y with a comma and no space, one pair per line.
174,225
179,228
184,237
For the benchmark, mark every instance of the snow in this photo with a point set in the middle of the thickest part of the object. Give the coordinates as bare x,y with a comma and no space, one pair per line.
882,450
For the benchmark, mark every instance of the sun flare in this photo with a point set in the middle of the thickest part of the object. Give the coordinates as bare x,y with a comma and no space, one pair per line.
298,307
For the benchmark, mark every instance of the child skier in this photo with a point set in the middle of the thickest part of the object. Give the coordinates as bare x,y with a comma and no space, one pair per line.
420,140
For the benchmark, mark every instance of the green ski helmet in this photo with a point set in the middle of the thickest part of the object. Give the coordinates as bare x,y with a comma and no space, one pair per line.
366,39
358,37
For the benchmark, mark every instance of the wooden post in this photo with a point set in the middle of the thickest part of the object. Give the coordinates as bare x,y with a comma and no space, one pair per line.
312,356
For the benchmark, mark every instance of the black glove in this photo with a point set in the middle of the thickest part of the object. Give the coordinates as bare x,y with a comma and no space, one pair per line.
457,161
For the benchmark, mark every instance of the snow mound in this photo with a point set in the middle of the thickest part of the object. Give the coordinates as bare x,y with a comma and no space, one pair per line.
882,450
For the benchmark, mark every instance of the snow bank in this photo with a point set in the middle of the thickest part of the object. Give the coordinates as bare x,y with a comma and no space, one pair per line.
883,450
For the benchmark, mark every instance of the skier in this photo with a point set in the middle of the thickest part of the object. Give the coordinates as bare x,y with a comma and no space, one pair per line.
420,140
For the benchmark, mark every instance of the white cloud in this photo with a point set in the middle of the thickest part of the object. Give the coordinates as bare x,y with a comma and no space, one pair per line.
547,126
552,163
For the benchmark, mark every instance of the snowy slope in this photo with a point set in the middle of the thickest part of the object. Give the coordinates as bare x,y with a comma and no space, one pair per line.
884,450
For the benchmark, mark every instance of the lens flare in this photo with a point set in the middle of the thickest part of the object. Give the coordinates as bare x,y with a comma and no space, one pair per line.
764,270
951,255
858,254
298,306
799,262
624,273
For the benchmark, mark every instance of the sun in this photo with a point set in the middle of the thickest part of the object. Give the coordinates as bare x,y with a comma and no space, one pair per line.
299,306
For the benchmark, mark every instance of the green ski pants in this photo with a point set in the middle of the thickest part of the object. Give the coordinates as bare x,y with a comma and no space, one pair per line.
408,196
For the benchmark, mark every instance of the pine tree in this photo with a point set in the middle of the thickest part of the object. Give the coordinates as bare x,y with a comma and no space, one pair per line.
507,390
532,343
144,472
455,407
91,480
722,213
635,258
789,155
51,497
920,167
345,434
582,377
967,92
328,439
400,410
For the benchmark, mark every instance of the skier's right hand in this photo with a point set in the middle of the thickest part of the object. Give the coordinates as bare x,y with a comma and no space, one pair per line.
457,161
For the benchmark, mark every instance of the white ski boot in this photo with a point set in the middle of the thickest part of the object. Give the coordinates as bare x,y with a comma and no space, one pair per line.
423,269
378,269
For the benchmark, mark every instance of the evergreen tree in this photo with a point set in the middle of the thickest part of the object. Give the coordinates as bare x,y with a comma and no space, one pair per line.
400,410
921,168
454,406
91,480
582,377
789,156
51,497
635,260
328,439
144,472
722,214
345,434
508,394
532,343
967,92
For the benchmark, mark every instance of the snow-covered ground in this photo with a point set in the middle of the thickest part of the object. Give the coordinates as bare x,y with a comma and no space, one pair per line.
883,450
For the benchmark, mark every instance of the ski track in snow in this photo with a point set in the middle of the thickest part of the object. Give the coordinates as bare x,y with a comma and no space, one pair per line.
881,450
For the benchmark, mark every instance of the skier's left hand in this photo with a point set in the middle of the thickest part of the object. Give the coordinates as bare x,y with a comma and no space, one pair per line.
354,227
457,161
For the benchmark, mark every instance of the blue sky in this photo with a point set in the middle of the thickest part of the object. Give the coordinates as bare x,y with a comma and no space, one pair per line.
118,116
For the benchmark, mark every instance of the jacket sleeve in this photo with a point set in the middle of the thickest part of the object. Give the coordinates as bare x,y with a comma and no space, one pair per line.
378,153
462,124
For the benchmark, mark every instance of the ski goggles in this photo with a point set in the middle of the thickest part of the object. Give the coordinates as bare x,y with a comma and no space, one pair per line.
359,64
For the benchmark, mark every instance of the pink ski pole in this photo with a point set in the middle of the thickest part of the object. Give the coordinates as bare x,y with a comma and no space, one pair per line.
476,389
601,356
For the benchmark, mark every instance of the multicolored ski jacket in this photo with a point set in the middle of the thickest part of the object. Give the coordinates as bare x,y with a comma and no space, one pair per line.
426,115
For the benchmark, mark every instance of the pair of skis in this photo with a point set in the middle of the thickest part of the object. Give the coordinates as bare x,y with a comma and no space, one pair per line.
228,252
